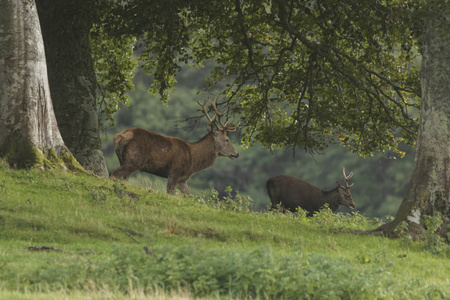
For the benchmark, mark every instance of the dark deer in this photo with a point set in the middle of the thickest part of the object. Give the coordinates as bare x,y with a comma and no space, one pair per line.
171,157
291,193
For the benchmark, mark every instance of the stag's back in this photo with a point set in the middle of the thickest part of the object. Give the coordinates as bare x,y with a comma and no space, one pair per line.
148,151
293,193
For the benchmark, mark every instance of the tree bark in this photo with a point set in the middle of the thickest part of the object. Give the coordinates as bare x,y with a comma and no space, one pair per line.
29,133
429,190
65,27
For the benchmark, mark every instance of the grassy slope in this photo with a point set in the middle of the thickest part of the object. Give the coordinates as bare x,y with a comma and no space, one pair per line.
96,223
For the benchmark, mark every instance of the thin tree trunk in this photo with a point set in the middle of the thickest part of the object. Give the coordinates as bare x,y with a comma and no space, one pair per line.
429,190
29,133
65,28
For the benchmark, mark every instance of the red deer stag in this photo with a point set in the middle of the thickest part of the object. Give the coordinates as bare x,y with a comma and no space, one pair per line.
292,193
171,157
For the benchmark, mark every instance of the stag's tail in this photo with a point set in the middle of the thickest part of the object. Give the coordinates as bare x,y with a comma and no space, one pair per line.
270,191
118,146
270,188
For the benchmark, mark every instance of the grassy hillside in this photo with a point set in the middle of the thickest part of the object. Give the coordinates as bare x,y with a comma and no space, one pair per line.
69,236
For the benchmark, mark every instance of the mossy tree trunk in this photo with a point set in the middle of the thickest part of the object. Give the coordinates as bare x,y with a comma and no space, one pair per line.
65,28
429,190
29,133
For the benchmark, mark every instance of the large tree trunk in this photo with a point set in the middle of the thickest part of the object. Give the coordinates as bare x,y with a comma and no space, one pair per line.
29,133
65,28
429,190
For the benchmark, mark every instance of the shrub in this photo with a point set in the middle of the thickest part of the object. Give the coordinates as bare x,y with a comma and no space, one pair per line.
237,203
258,273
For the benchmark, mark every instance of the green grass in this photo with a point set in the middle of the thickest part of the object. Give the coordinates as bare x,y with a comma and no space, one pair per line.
69,236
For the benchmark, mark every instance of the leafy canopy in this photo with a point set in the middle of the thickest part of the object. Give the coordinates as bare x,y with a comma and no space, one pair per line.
298,73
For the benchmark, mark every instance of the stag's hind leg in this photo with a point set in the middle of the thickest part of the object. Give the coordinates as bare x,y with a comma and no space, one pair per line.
181,183
184,187
171,184
127,167
123,172
129,159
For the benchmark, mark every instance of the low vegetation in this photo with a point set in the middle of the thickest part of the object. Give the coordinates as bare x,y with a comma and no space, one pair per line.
75,236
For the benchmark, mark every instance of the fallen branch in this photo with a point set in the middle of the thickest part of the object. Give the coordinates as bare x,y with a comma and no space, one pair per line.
42,248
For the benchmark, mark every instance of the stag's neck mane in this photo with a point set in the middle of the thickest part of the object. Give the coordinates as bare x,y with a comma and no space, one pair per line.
332,198
203,152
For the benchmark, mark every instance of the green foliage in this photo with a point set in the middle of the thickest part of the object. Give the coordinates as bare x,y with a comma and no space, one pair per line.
256,274
433,241
353,221
163,36
307,66
114,68
230,202
304,73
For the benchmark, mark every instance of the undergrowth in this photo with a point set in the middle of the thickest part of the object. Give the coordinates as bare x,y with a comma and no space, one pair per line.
65,233
258,273
236,203
326,219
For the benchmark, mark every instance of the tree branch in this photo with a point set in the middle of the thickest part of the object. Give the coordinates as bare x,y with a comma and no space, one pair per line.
338,65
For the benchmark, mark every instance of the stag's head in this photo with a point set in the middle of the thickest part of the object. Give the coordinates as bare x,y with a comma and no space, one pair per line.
344,191
220,130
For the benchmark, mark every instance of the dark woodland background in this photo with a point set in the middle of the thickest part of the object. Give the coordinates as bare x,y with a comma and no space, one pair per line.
380,181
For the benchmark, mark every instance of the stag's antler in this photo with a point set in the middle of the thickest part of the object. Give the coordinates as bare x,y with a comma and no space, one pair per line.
347,177
217,114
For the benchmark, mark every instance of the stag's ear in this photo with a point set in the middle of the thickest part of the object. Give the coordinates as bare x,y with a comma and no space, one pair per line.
212,127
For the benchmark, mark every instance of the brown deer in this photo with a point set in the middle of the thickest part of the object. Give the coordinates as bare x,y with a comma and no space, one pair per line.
171,157
291,193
